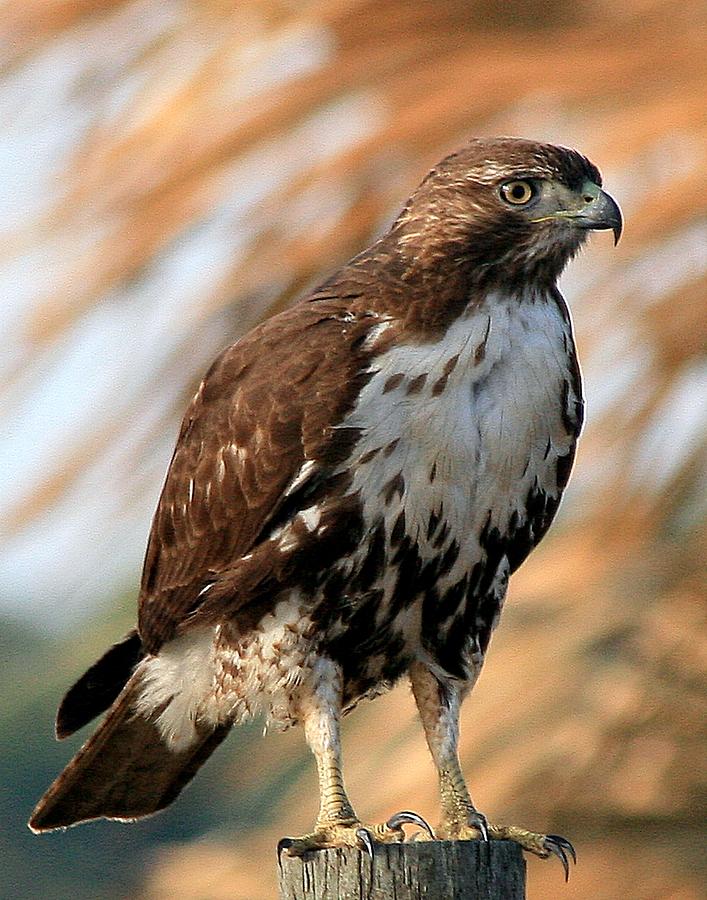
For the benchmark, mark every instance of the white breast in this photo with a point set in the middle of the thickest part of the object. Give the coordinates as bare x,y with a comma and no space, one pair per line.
476,447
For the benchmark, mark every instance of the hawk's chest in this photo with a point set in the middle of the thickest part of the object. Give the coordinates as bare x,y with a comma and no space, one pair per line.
457,431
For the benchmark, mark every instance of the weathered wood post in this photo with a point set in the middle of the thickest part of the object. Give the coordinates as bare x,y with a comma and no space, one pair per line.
424,870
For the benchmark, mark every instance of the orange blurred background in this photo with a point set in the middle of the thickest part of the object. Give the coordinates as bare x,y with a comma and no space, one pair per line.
172,172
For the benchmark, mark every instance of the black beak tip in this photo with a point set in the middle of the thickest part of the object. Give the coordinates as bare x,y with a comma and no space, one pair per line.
612,215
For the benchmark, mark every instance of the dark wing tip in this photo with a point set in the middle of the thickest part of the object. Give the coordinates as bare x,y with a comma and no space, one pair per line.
99,686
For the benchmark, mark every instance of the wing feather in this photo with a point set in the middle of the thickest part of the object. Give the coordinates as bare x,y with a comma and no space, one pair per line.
258,430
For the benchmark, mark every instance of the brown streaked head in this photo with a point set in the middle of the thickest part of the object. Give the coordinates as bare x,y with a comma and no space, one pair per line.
507,209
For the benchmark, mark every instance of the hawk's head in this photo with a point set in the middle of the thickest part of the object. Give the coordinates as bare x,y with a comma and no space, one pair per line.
510,209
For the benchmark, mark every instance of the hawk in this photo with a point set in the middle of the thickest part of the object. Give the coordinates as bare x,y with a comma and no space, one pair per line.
353,484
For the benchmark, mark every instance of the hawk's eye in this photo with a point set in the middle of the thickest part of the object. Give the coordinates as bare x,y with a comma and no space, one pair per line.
517,192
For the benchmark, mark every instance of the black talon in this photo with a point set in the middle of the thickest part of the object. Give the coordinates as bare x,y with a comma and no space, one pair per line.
565,844
562,856
560,846
365,839
405,816
284,844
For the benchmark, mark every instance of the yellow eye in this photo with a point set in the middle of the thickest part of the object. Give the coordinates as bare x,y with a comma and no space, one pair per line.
517,192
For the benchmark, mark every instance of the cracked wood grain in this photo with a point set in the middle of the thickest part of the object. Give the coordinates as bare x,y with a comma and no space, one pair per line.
425,870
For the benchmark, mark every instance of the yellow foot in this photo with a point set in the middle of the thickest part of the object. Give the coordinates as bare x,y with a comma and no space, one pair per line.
543,845
352,833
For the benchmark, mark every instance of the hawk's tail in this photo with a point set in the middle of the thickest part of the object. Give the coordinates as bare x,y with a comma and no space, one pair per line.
125,770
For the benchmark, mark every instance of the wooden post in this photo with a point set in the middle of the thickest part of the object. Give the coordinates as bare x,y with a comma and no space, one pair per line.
417,870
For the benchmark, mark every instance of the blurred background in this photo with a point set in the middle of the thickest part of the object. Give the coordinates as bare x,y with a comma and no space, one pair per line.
170,173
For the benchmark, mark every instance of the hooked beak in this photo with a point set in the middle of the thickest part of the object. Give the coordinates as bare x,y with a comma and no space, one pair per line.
601,214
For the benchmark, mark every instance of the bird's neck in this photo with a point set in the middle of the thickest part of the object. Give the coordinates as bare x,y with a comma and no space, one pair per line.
428,290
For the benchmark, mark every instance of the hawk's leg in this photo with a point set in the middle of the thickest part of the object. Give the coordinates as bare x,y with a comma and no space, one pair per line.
337,825
439,704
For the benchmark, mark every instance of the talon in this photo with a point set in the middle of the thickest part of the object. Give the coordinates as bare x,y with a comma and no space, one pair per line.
478,820
564,843
283,845
560,846
365,839
412,818
562,856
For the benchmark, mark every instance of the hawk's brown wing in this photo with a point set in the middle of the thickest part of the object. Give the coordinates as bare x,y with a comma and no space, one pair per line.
256,434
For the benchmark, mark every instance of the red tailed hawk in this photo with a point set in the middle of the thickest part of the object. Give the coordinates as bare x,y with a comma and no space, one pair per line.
353,484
